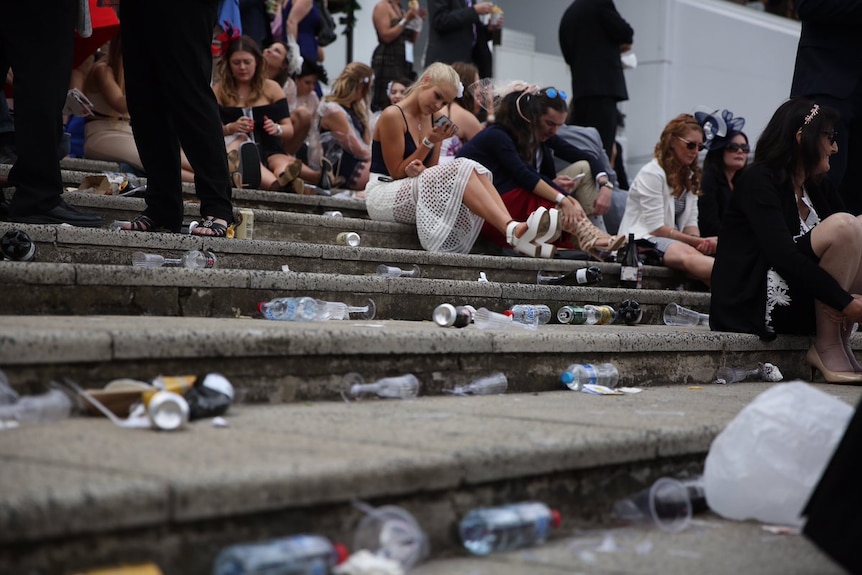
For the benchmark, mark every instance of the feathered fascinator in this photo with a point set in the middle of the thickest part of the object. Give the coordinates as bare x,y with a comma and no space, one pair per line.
222,40
488,92
718,127
294,59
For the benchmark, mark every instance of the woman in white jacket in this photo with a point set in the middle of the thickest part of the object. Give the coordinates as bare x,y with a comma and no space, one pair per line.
662,201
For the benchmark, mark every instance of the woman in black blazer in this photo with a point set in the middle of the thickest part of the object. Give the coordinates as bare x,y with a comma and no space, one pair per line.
789,257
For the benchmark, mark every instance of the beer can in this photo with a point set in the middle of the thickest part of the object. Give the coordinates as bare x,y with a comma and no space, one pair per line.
167,410
446,315
572,314
333,214
351,239
245,228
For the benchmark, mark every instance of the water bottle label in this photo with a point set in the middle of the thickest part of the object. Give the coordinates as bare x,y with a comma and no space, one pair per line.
592,374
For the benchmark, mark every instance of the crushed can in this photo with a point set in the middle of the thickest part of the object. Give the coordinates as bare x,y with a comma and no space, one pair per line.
351,239
167,410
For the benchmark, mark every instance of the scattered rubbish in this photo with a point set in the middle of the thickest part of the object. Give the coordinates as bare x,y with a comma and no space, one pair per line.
600,314
795,427
192,259
781,529
294,555
487,319
448,315
765,371
665,504
629,390
483,279
17,246
583,276
106,183
395,272
333,214
166,410
243,229
285,268
675,314
364,562
311,309
392,533
220,422
398,387
351,239
531,314
578,375
631,268
494,384
630,312
572,314
508,527
49,407
143,569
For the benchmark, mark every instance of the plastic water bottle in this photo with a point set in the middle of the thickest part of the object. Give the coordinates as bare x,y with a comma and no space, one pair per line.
484,318
600,314
309,309
493,384
48,407
531,313
577,375
675,314
508,527
765,371
294,555
399,387
192,259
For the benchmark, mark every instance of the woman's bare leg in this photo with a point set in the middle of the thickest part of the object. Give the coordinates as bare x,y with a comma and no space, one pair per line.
683,257
484,200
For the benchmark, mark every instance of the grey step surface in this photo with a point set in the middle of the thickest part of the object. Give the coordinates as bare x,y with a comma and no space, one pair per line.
82,493
276,361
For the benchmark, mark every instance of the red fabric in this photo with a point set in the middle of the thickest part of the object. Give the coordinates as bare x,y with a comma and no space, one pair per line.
521,203
105,27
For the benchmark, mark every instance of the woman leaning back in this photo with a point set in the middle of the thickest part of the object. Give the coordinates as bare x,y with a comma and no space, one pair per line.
789,258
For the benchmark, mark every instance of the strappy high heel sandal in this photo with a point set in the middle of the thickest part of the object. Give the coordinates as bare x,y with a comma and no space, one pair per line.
537,224
594,241
215,229
144,223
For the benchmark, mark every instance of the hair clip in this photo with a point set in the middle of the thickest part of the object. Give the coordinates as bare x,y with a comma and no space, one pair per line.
460,90
366,80
815,109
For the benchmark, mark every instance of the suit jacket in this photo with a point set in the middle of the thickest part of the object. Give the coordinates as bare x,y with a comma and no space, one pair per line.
829,56
450,36
590,34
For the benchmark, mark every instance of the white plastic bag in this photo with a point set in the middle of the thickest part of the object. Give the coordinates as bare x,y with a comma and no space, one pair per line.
765,463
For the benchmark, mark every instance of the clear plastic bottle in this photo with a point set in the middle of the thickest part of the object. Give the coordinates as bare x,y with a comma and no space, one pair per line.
398,387
580,277
309,309
48,407
494,384
411,271
675,314
577,375
192,259
765,371
600,314
487,319
531,313
508,527
294,555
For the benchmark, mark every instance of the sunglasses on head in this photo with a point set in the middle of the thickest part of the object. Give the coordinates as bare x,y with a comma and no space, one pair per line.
553,93
692,145
734,147
830,136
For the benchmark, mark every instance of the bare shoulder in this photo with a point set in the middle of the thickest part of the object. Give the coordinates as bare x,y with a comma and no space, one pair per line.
272,90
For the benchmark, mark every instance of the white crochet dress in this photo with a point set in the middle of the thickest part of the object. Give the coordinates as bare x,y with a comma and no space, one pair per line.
433,201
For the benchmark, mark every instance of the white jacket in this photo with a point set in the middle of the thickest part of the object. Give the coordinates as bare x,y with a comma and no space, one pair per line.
650,204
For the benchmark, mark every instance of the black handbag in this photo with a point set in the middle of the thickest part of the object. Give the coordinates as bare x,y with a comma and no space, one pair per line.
327,34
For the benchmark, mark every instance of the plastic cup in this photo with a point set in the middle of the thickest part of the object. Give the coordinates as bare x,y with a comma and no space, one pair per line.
392,532
666,504
675,314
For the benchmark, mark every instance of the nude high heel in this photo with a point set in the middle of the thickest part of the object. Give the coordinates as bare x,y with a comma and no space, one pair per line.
829,376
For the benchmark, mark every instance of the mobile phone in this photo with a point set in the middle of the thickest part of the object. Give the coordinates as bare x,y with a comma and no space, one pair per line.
384,179
580,176
442,122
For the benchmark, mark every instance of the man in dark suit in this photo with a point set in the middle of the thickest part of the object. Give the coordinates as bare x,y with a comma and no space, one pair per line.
592,36
457,34
829,70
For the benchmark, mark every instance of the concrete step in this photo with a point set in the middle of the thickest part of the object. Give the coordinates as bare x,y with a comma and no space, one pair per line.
274,361
82,494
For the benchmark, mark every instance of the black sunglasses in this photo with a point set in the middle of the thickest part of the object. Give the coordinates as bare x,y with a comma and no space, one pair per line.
830,136
734,147
692,145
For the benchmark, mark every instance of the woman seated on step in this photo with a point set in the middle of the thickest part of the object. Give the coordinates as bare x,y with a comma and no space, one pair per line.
345,131
447,203
283,62
519,150
254,110
662,202
789,256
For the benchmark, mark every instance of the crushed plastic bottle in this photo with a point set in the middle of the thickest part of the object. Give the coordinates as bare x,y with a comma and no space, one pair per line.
487,319
765,371
530,313
192,259
49,407
17,246
311,309
411,271
675,314
294,555
494,384
400,387
508,527
579,375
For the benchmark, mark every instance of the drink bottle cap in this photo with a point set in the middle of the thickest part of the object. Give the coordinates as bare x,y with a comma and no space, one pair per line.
567,377
342,552
556,518
509,313
260,306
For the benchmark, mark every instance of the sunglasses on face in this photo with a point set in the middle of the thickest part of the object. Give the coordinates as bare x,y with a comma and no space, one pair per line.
831,136
692,145
734,147
553,93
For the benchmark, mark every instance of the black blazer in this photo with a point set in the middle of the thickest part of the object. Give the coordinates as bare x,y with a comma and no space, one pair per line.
450,36
713,203
590,34
757,234
829,56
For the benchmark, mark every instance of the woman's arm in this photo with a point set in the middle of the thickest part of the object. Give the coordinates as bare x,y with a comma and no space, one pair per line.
468,124
103,79
334,119
386,31
298,12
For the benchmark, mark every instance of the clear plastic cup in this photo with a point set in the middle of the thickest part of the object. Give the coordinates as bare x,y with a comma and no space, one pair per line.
675,314
391,532
665,504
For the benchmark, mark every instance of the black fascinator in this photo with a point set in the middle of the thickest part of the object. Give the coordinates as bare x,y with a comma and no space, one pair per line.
718,127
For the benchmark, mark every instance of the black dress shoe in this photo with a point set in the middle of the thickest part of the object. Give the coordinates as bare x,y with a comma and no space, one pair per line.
63,213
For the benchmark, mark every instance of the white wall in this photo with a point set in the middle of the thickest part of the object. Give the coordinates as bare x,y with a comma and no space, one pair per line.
690,52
